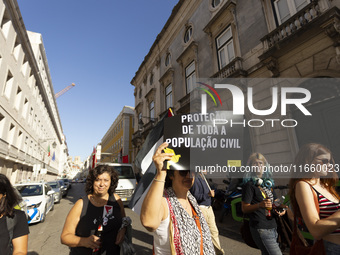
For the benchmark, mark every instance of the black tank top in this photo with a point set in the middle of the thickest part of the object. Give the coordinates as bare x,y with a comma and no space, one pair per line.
88,223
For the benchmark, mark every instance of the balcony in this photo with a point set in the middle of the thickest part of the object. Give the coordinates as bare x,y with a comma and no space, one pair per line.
143,130
190,103
310,19
233,69
136,138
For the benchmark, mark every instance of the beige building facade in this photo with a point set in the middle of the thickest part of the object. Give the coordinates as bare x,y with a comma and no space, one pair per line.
32,143
224,39
116,144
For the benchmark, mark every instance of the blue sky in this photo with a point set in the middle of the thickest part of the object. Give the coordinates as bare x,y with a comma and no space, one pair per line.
99,46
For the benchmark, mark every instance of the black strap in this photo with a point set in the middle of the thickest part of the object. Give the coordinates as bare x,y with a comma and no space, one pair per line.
11,222
85,205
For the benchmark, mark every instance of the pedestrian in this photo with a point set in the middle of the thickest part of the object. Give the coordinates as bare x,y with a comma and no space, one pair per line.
100,207
203,194
320,183
172,213
13,223
257,199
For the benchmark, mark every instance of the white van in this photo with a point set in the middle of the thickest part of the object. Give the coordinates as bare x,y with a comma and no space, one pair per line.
127,180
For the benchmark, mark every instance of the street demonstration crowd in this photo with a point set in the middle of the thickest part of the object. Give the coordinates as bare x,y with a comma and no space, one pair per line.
177,210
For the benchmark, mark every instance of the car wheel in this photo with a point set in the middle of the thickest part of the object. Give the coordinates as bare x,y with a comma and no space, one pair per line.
43,215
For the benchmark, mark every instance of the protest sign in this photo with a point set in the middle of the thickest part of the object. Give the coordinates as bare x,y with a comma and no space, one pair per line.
205,142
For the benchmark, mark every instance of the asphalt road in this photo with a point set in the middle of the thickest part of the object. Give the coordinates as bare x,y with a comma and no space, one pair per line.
44,238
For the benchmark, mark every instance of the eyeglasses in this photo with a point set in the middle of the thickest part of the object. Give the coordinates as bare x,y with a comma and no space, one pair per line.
324,161
184,173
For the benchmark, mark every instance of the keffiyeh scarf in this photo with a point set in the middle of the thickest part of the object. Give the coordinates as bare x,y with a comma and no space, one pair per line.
185,237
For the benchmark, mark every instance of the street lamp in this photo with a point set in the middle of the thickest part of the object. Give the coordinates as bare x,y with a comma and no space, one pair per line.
54,144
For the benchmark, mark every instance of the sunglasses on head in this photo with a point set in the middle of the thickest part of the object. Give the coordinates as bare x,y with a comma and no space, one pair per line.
184,173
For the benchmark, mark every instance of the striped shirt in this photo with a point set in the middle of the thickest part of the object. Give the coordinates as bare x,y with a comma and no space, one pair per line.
327,208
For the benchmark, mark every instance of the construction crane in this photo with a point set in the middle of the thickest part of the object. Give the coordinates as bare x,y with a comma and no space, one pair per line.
64,90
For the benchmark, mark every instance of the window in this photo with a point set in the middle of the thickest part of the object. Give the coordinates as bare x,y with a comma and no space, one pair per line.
24,111
168,96
152,110
30,117
2,124
26,144
35,122
168,59
8,85
19,141
215,3
11,134
190,77
140,93
188,34
151,79
225,48
287,8
18,98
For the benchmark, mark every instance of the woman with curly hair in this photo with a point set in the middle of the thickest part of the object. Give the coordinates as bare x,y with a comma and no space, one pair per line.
13,223
314,181
100,208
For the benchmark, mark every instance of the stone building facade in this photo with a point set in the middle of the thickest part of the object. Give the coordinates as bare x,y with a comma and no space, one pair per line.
32,143
224,39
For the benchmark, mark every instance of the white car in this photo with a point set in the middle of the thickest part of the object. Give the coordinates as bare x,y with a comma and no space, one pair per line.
55,185
39,198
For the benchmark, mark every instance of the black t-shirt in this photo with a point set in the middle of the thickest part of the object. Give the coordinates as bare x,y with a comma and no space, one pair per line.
20,229
257,219
88,223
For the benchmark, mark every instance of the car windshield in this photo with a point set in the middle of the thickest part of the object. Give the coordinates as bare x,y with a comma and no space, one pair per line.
125,172
54,185
30,190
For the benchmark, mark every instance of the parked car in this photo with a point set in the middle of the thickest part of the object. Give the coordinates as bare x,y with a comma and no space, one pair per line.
39,198
55,185
67,183
63,187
